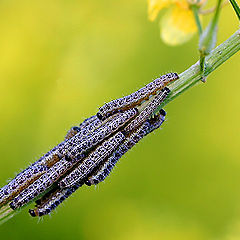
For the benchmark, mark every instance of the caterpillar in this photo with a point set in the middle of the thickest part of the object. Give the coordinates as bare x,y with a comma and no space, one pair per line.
137,97
147,127
41,184
20,182
81,145
148,111
82,131
52,201
92,161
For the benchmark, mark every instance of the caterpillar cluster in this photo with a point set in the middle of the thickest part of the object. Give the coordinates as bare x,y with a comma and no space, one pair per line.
75,179
107,166
54,173
89,151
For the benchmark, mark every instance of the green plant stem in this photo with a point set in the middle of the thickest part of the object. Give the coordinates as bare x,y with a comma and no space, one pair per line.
195,10
208,39
193,75
236,8
187,79
6,213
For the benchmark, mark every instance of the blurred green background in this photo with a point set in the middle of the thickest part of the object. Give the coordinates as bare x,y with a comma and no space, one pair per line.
60,61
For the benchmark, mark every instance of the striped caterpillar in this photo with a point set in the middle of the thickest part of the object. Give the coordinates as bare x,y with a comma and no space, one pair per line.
92,161
79,145
137,97
20,182
148,111
68,184
147,127
41,184
52,200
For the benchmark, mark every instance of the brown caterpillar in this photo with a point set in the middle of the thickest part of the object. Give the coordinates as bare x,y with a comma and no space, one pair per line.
137,97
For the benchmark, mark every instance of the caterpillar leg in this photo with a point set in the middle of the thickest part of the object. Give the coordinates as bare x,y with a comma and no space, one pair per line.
148,126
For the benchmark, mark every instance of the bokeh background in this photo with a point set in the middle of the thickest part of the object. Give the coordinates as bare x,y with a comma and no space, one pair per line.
60,61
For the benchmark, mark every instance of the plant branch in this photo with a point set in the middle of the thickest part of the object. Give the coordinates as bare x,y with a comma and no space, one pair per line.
195,10
193,75
236,8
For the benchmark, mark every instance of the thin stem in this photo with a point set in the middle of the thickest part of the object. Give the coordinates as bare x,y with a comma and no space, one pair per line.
195,10
208,39
236,8
192,75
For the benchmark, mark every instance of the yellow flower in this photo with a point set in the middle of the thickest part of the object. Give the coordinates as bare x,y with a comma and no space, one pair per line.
178,24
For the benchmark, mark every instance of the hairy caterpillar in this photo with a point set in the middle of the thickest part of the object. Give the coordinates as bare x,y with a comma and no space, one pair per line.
41,184
137,97
52,201
81,145
38,168
20,182
148,111
92,161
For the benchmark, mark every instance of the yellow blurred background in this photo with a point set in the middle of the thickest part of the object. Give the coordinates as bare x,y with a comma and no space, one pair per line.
60,61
